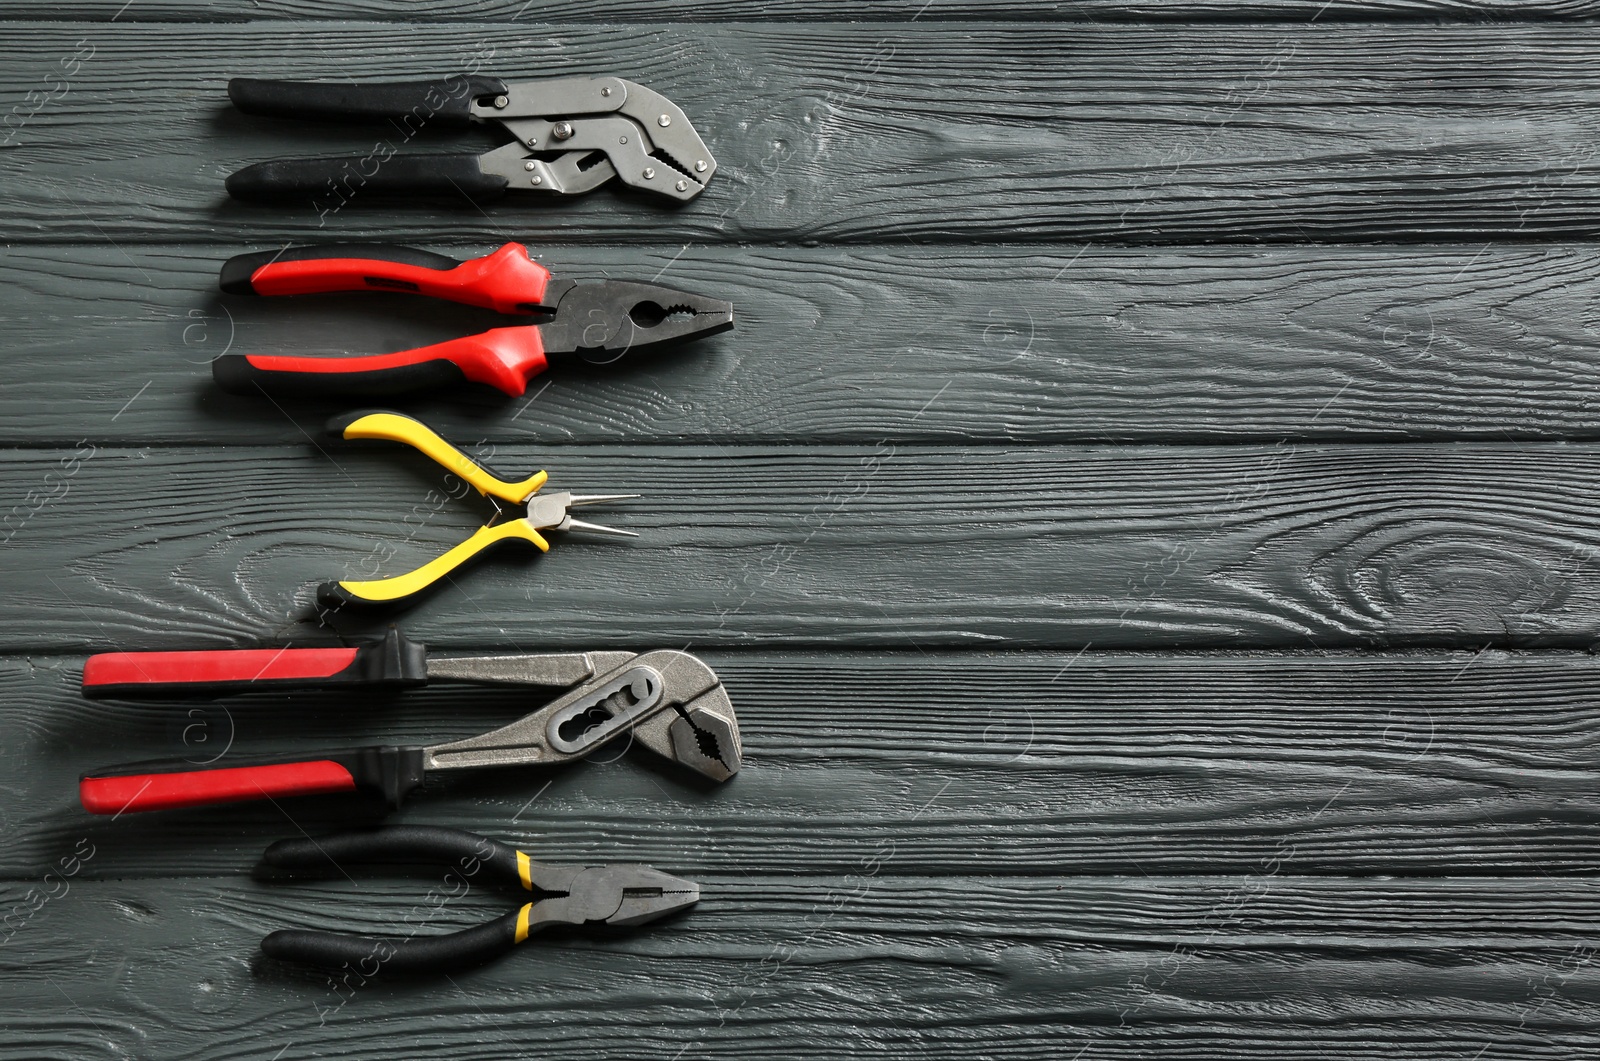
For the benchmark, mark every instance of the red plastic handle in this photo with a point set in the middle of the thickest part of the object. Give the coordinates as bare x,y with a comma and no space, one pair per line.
503,358
507,280
195,788
228,667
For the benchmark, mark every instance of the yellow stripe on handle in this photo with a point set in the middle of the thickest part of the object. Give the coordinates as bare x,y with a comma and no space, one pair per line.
522,919
414,433
392,589
525,870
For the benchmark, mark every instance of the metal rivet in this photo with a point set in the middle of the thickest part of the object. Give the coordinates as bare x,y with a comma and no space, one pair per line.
561,130
700,167
532,140
530,166
649,173
605,91
537,179
501,101
664,121
683,186
622,139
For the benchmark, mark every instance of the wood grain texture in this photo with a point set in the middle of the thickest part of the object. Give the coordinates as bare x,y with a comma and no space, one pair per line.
1027,345
1273,546
802,967
529,14
1006,764
865,133
976,440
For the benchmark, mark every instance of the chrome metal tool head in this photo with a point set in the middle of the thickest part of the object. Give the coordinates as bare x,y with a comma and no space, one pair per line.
618,894
667,701
610,318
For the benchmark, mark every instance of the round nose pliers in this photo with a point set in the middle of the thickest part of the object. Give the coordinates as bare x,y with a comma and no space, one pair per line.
599,321
616,894
541,512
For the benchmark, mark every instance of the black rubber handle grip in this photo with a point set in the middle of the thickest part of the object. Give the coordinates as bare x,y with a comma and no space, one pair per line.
471,855
445,101
332,182
237,271
369,956
236,374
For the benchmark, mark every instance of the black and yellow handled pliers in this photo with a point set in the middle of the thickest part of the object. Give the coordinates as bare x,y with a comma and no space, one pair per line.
542,512
616,894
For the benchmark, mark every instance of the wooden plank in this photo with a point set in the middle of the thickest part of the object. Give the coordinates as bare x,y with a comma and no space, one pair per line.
1007,764
1272,546
530,13
779,966
859,345
862,133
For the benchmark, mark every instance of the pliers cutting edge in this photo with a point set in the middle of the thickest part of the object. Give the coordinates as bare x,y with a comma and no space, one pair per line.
540,512
617,894
570,135
600,321
667,701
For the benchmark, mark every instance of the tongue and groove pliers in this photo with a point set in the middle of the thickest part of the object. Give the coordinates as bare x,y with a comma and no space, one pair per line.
600,321
617,894
569,136
667,701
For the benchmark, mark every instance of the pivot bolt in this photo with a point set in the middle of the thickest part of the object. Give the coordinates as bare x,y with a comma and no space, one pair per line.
501,101
682,186
700,167
649,173
530,166
664,121
605,90
537,179
622,139
533,141
561,130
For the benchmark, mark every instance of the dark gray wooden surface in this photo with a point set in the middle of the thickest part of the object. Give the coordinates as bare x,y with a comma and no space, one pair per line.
1145,519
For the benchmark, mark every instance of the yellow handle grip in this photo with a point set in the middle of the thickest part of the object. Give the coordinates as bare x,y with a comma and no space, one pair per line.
382,590
396,427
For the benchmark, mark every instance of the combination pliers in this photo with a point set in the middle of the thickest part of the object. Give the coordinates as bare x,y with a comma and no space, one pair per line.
599,321
667,701
569,135
617,894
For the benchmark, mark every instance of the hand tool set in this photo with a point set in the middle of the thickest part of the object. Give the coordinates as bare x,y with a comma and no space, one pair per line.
569,135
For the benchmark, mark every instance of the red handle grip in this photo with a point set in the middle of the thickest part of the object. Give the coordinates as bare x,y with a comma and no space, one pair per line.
388,772
144,670
394,661
503,358
195,788
507,280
